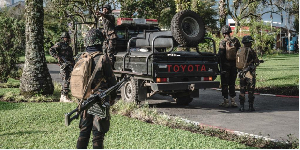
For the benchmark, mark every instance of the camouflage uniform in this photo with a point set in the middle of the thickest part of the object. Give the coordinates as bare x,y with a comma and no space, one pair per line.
108,31
248,79
230,71
62,49
89,122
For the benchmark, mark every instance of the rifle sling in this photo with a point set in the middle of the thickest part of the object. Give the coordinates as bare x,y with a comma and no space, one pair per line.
246,59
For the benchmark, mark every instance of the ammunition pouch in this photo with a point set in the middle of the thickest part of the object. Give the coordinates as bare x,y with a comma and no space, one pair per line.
101,124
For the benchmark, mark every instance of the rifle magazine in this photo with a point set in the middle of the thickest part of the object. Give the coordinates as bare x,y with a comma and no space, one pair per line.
97,110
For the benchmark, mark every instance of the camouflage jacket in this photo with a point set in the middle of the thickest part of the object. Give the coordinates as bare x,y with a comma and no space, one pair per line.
109,27
222,50
62,49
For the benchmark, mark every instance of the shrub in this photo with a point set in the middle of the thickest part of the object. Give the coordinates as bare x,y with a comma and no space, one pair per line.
12,43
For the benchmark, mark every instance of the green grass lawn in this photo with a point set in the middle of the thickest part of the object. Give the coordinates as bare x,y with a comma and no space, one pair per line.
281,70
277,71
12,85
49,59
41,126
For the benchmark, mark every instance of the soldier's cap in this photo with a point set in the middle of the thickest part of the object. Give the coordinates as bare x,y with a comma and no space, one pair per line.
65,35
107,6
247,39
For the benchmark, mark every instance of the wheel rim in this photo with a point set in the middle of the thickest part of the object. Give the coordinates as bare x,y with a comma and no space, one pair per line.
190,27
128,91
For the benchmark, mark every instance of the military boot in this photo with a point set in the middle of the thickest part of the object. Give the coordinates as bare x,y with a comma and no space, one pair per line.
65,99
225,103
251,108
233,103
242,107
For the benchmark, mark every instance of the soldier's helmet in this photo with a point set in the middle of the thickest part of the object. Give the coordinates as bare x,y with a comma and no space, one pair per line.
226,29
247,39
93,37
107,7
65,35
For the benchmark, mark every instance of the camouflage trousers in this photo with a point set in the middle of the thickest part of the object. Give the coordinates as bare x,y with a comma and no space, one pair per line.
228,81
109,48
87,125
247,83
65,77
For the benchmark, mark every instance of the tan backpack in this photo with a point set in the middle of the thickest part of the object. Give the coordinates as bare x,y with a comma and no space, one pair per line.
241,58
82,76
230,50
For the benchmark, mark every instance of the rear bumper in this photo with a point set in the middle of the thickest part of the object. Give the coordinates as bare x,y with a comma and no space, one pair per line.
193,85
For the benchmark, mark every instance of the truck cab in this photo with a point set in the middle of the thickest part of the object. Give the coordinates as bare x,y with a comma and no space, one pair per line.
153,60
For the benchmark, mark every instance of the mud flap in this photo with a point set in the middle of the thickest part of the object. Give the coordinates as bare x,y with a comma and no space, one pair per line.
142,90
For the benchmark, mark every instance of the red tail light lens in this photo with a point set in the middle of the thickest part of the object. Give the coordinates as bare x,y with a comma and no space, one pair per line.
206,78
160,80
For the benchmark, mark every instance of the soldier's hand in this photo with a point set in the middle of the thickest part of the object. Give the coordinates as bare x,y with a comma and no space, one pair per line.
59,60
112,102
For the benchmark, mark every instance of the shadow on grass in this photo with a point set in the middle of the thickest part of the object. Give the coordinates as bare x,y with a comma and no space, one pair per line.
22,133
283,56
8,106
285,78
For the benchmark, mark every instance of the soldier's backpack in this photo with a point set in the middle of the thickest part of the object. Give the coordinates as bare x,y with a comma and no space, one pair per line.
82,76
230,50
241,58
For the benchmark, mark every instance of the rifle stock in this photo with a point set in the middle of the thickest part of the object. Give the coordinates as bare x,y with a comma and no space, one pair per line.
69,119
92,100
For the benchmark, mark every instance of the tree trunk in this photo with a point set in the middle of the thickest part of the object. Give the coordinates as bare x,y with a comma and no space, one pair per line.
35,78
222,13
237,26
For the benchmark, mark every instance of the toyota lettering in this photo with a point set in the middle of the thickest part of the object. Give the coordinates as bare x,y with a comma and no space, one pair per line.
186,68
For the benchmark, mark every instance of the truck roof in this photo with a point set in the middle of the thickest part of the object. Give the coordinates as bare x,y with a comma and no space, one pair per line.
133,23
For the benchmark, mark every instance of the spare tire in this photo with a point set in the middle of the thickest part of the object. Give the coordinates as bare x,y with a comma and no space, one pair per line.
187,28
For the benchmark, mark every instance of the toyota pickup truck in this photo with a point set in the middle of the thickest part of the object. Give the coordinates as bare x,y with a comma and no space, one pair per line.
156,65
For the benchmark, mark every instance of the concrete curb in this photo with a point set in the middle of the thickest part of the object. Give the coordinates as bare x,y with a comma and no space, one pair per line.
286,96
238,133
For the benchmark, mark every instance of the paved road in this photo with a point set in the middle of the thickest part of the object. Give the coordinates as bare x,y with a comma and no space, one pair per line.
275,117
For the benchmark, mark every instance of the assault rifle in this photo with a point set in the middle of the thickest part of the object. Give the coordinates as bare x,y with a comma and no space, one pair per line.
65,63
243,72
94,98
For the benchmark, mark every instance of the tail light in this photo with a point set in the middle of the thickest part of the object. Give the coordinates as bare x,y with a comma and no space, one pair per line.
161,80
206,78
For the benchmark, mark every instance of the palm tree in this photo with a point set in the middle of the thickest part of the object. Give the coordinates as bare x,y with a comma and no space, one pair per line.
222,13
35,78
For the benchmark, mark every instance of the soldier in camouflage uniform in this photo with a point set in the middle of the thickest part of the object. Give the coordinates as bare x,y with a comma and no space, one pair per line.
91,120
108,31
229,70
247,75
59,51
